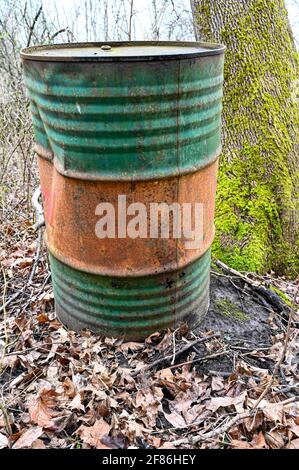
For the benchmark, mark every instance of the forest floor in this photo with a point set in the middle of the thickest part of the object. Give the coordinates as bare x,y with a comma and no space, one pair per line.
231,383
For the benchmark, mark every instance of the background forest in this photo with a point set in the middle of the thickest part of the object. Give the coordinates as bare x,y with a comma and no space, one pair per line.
234,382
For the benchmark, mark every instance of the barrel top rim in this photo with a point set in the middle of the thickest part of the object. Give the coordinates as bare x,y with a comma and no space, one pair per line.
121,51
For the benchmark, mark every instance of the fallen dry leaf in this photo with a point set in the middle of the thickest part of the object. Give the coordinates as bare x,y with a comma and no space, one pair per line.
238,444
117,441
294,444
93,435
272,411
294,428
3,441
46,297
167,445
217,384
134,429
76,403
165,343
38,444
22,263
275,439
41,408
10,361
149,400
254,422
155,441
153,338
28,437
131,346
224,402
175,419
258,441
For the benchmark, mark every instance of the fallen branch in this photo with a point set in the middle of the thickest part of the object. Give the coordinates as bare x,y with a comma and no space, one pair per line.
200,359
171,356
271,296
214,433
288,388
11,299
225,426
31,276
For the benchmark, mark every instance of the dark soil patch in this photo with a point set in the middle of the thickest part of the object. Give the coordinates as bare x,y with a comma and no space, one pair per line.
238,315
241,317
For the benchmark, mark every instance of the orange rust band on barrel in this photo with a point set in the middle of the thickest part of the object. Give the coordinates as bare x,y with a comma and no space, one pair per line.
70,205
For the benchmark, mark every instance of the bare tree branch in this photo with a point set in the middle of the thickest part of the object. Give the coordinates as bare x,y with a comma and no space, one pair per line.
33,25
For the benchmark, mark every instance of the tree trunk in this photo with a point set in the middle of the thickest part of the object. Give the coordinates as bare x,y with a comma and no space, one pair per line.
257,202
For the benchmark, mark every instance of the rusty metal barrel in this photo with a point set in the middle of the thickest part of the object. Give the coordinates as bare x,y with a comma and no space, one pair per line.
126,123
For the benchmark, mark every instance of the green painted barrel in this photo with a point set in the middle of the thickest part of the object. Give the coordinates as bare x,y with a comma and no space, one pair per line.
140,121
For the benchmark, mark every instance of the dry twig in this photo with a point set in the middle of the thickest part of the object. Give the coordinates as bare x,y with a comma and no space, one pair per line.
170,356
270,295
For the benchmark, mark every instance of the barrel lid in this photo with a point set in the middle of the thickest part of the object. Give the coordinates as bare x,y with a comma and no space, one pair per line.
120,51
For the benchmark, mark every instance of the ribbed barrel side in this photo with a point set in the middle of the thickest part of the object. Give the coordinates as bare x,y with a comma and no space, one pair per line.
125,121
131,307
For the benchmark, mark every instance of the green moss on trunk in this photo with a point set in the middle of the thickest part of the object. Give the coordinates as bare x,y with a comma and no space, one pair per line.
257,200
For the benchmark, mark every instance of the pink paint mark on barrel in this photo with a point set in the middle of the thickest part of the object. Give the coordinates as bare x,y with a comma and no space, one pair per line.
48,200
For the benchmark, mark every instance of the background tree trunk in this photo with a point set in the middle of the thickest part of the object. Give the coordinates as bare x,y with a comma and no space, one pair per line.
257,202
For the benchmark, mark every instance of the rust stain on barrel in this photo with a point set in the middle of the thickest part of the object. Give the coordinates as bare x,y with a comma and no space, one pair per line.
71,235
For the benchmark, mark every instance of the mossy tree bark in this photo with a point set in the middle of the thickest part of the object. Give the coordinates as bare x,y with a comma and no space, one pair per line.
257,202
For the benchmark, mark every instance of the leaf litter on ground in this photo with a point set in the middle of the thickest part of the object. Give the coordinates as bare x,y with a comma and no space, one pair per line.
61,389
